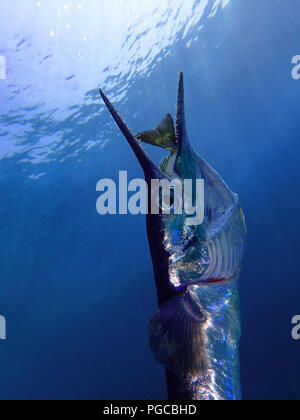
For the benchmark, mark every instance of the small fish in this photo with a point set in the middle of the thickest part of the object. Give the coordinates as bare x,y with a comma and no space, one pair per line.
196,331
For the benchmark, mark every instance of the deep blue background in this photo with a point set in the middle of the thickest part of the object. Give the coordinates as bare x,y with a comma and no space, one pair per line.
77,289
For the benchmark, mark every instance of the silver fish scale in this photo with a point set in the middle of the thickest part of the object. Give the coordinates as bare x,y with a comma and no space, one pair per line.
221,334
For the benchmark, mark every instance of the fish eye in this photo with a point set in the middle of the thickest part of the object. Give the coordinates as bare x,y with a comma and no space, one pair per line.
167,200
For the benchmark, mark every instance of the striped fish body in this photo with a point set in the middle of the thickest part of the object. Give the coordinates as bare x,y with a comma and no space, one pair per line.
196,333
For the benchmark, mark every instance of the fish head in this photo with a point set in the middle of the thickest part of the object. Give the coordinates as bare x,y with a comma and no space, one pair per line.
187,202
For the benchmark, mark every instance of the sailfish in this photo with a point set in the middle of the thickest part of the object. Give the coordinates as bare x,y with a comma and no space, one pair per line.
195,333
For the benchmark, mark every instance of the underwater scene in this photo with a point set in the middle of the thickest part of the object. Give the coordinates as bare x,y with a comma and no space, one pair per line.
79,286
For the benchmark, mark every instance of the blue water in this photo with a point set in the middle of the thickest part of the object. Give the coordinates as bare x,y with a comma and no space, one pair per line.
77,288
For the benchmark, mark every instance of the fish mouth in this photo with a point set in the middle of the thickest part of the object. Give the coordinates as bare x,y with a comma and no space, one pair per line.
215,281
164,135
221,280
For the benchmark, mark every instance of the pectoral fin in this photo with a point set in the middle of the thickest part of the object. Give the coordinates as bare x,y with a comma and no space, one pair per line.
162,136
176,336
